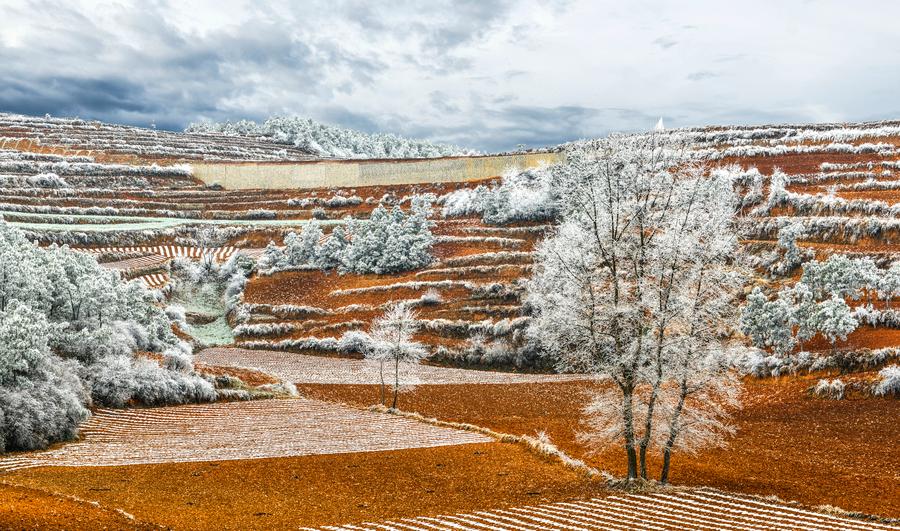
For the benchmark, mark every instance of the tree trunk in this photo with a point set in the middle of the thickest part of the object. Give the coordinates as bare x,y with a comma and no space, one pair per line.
645,440
648,424
673,434
396,380
667,458
628,417
381,373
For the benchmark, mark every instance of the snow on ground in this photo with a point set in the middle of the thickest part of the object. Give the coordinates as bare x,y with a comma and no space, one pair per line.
305,369
694,509
237,430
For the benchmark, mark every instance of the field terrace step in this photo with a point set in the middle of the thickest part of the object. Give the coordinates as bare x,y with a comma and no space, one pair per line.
97,137
139,263
306,369
220,254
233,431
153,280
675,510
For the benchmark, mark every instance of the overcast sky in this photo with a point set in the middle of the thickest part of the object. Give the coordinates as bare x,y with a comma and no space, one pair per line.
487,74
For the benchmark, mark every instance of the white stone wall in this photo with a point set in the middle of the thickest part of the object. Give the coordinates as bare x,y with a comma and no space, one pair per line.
352,173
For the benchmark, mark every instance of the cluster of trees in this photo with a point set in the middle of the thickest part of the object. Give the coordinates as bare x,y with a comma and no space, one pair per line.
69,334
389,241
330,141
637,288
817,303
529,195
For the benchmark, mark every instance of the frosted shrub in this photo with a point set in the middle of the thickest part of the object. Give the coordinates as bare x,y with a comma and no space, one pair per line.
117,381
463,202
354,342
525,196
340,201
889,385
833,389
47,180
390,241
176,313
431,297
331,253
261,213
521,196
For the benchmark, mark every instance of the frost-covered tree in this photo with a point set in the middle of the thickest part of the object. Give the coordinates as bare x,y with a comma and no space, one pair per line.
68,321
840,275
42,401
887,284
615,292
835,320
769,323
393,344
332,253
787,242
390,241
330,141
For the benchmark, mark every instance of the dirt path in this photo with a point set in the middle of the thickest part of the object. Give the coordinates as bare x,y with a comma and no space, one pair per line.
306,369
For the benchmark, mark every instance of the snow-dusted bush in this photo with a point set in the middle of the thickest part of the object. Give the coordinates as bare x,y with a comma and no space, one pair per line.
330,141
833,389
261,213
41,180
431,297
462,202
793,256
528,195
176,313
768,323
889,385
117,381
339,201
355,342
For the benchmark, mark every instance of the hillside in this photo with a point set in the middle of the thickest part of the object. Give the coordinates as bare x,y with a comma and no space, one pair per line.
296,313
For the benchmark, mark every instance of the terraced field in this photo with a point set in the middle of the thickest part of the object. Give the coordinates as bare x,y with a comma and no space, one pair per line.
692,509
125,195
124,143
237,430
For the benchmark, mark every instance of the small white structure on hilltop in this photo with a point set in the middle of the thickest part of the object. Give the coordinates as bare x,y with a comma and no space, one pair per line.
660,126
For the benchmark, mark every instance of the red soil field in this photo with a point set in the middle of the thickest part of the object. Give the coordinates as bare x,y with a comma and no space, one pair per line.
313,491
788,443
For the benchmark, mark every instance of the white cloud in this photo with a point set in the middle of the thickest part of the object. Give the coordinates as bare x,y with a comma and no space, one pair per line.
487,74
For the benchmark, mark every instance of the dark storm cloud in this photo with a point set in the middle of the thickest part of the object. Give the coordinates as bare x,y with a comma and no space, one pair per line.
487,74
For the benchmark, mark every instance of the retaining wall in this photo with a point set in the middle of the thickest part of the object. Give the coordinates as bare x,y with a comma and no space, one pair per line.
352,173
